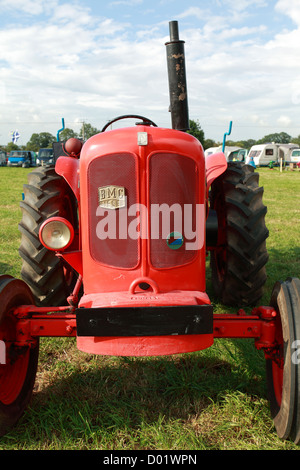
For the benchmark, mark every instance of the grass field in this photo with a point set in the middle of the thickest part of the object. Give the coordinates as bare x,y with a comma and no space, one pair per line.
211,400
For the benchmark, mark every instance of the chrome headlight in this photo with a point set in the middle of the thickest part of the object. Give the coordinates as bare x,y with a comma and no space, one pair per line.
56,233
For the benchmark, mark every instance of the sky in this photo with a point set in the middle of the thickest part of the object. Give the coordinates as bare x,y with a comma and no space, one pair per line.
90,61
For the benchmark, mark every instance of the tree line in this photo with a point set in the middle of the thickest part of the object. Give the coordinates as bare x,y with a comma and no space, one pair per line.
277,138
45,139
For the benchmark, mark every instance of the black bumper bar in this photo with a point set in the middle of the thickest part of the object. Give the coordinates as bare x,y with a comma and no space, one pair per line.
145,321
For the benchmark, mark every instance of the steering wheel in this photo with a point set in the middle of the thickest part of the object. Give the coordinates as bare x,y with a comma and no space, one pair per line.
145,121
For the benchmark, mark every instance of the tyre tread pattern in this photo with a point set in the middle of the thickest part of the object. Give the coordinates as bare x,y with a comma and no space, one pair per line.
246,234
46,195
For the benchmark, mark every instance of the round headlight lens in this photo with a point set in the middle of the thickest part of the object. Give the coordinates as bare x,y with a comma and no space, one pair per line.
56,233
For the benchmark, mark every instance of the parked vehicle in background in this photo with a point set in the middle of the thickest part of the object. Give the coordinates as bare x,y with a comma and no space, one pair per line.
264,154
231,153
242,155
23,158
2,158
45,157
295,156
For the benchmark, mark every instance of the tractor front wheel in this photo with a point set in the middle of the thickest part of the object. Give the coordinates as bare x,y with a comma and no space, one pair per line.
46,195
18,365
283,372
238,260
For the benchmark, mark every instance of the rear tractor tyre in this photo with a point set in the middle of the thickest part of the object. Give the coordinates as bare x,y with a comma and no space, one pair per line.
283,370
18,370
46,195
238,261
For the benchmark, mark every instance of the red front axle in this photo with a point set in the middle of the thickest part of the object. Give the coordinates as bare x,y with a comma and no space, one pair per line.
34,322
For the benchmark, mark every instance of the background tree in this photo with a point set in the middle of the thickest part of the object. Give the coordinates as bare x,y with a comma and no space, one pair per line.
11,146
296,140
278,138
247,144
38,141
87,131
196,131
209,143
66,134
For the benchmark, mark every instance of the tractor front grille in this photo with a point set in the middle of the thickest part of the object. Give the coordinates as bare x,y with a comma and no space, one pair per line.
173,195
108,235
169,193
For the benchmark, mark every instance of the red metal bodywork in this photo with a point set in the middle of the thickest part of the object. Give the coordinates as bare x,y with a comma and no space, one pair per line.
260,325
167,159
106,286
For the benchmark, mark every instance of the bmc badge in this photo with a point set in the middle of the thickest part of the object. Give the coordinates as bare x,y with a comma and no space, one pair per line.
112,197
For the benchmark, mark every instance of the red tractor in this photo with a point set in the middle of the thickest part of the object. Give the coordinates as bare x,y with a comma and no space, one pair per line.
114,247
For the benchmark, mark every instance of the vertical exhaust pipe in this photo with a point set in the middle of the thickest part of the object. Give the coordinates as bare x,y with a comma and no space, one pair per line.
177,80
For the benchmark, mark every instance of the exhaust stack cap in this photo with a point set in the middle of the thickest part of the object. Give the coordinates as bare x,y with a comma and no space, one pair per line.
174,31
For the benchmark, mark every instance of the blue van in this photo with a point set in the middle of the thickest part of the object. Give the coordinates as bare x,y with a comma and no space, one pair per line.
23,158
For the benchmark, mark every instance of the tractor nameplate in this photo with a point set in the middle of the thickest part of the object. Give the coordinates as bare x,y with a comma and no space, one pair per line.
142,138
145,321
112,197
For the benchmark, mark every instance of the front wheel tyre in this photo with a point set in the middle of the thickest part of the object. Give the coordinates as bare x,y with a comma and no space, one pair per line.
18,370
46,195
282,367
238,260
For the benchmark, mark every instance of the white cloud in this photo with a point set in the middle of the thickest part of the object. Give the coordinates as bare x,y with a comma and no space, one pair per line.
290,8
194,12
242,5
30,7
72,13
76,63
284,121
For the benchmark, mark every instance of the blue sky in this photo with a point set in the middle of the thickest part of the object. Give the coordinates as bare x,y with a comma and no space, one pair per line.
93,60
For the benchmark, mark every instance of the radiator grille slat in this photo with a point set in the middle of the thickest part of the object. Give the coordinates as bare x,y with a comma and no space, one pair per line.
117,249
173,185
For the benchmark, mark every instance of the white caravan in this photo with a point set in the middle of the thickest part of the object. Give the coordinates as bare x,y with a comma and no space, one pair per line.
264,154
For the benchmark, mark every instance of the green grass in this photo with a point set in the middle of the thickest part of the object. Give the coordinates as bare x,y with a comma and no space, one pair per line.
11,187
210,400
